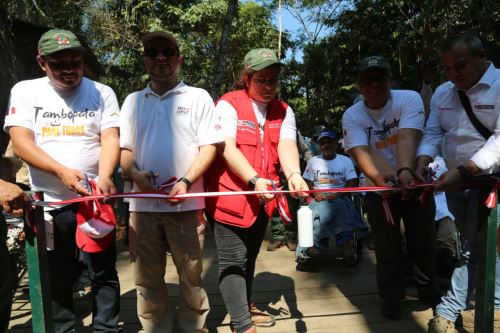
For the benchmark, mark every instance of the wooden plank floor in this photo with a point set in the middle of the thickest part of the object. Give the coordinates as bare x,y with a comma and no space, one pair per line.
336,299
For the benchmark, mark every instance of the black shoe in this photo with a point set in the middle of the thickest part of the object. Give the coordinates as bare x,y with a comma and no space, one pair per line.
275,244
430,294
306,267
291,243
391,310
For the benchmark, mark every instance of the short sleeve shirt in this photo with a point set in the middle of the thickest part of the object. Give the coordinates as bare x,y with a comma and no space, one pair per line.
65,126
230,120
327,174
378,129
165,133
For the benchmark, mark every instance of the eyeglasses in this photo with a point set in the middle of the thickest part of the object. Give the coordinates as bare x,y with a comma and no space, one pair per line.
380,79
262,82
60,65
153,52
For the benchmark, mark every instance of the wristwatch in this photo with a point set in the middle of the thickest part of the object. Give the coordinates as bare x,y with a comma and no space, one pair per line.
186,181
252,182
464,172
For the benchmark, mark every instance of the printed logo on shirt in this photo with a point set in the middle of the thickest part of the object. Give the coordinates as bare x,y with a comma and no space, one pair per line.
12,110
484,107
246,123
328,173
66,130
115,114
344,131
381,134
328,181
274,124
182,110
444,108
387,143
56,117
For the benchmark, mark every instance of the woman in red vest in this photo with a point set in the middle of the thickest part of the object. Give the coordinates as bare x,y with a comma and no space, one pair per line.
260,139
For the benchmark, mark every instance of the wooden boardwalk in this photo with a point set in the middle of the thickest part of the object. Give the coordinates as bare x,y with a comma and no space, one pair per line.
336,299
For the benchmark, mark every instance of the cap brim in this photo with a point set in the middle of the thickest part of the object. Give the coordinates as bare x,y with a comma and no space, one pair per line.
147,38
382,68
91,245
266,64
327,136
71,48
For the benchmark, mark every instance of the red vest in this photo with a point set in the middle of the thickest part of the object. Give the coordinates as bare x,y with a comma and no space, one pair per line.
242,210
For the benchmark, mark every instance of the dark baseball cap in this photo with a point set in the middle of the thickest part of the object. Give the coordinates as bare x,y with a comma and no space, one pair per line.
148,37
327,134
374,62
56,40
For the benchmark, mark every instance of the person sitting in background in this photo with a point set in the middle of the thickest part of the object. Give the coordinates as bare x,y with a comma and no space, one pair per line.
333,213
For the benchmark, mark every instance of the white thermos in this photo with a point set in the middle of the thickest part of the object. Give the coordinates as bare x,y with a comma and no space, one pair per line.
305,226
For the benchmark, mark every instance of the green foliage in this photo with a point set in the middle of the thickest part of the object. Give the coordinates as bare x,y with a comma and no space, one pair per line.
408,33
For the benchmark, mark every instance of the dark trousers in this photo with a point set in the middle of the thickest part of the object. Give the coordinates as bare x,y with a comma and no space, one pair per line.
5,278
238,249
418,219
65,265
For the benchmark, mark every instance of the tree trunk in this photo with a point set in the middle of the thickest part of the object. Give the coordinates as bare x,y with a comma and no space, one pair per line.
8,74
232,7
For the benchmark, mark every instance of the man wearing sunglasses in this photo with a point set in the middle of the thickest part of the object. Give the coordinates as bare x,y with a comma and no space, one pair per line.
65,127
382,133
168,135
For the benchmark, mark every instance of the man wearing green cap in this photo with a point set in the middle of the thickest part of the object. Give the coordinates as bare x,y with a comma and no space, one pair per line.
382,133
65,127
260,138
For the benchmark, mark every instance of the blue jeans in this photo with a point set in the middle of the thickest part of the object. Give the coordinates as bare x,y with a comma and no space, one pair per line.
333,218
469,211
65,265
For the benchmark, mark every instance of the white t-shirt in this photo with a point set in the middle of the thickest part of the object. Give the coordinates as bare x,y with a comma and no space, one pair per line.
327,174
230,120
67,127
379,129
165,133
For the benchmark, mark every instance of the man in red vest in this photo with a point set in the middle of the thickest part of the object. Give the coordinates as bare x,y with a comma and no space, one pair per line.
260,136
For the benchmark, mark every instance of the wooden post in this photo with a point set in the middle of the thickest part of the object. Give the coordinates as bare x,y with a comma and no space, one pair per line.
38,271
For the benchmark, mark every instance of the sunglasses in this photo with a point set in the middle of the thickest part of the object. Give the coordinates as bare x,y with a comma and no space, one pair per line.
153,52
262,82
60,65
380,79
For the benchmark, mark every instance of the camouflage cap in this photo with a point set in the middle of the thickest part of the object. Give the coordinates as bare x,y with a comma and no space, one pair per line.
56,40
257,59
374,62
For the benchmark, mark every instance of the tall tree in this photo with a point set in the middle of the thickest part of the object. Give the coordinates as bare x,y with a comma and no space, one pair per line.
232,7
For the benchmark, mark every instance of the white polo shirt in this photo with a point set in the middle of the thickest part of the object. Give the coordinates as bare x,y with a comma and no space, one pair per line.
165,133
448,121
65,126
378,129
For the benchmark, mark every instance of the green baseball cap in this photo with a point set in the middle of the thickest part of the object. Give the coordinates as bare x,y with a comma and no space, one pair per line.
56,40
258,59
374,62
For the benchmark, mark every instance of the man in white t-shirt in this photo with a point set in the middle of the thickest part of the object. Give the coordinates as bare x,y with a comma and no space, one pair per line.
333,213
168,136
382,133
65,127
